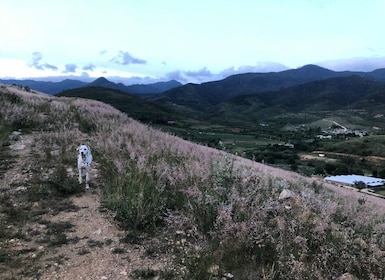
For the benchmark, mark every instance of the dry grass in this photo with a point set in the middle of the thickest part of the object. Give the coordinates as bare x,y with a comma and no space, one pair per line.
219,216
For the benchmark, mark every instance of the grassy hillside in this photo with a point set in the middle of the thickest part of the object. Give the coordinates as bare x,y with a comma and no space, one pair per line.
211,213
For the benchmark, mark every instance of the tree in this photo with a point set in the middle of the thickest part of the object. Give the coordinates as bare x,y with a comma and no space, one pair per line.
381,173
349,162
359,185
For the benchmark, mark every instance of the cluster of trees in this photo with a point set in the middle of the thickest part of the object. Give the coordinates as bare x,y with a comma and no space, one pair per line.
26,88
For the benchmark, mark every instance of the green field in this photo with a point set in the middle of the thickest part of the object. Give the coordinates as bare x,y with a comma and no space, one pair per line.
381,192
265,142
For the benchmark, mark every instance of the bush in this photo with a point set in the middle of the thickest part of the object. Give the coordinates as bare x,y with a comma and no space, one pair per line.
63,184
137,201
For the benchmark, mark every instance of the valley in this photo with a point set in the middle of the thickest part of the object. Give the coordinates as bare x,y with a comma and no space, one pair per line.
288,146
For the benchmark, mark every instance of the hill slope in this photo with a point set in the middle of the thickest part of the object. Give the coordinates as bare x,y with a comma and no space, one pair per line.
133,106
314,98
163,207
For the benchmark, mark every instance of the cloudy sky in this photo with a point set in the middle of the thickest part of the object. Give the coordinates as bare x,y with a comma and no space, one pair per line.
141,41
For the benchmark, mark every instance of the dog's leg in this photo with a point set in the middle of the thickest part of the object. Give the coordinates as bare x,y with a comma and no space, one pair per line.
80,176
87,178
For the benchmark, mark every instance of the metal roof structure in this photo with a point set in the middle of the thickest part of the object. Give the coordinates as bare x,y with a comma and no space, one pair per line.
351,179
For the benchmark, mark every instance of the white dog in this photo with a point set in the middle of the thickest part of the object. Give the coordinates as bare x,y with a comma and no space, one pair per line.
84,163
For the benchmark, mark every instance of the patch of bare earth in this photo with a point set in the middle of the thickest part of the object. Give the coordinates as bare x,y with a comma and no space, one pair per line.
71,238
96,251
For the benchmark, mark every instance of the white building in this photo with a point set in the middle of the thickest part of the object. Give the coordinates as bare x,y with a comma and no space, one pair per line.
370,182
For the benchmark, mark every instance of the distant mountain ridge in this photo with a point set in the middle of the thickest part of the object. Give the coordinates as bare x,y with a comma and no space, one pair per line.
46,87
206,95
248,99
212,92
136,89
313,98
57,87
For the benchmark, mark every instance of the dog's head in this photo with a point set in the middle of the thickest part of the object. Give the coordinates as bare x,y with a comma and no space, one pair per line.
83,150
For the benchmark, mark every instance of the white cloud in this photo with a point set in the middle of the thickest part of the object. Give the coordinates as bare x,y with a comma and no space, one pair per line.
354,64
125,58
36,62
90,67
70,68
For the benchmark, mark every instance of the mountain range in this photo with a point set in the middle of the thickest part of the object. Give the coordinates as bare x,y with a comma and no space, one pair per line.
307,94
57,87
204,96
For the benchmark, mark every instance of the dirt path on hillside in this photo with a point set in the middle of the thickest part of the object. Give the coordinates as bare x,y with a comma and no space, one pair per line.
98,252
78,242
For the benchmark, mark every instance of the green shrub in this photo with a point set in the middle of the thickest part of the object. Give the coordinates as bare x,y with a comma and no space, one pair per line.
4,256
63,184
138,203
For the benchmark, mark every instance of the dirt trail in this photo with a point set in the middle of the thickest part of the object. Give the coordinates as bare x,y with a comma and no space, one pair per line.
93,246
98,253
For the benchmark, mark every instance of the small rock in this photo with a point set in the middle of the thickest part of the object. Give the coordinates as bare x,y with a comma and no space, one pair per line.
21,188
123,272
285,194
362,243
70,171
228,275
213,270
15,133
346,276
17,146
